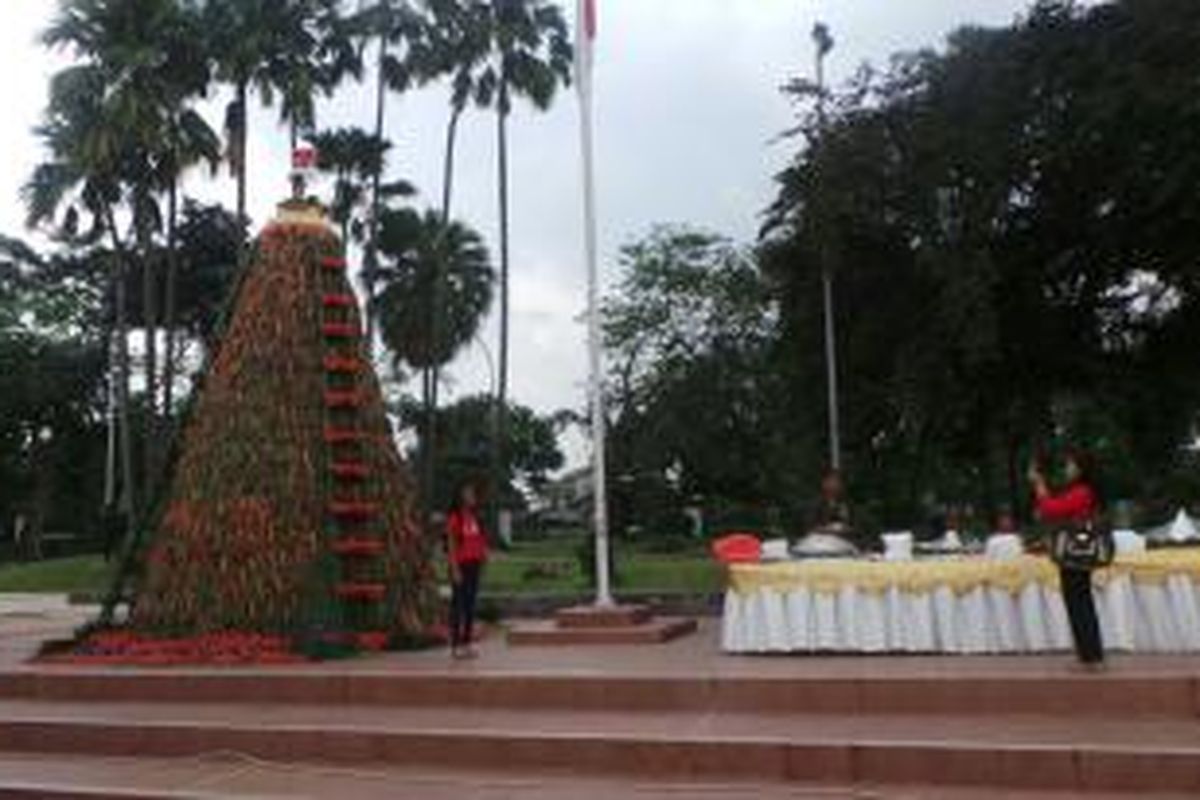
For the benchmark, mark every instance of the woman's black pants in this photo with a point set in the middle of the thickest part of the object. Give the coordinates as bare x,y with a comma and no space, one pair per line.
462,603
1081,610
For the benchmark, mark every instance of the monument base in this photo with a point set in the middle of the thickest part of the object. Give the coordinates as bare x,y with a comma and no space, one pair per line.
619,624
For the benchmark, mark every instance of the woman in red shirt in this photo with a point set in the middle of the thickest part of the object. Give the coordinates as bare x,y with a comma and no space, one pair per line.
466,550
1077,503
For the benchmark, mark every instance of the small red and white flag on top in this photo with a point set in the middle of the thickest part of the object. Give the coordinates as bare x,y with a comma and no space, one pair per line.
589,19
585,41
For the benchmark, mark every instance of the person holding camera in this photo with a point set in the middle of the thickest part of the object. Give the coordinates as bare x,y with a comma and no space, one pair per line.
1078,546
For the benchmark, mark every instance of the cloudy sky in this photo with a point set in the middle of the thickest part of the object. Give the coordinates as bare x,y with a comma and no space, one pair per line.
688,108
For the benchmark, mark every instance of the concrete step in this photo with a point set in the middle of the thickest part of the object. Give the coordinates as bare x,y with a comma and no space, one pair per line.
550,633
601,617
1044,753
949,694
89,778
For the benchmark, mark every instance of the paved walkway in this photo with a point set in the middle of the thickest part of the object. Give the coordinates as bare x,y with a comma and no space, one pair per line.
230,776
27,620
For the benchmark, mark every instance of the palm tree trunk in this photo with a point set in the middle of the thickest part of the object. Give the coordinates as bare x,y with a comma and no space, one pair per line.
243,92
371,257
501,418
438,291
128,502
172,300
149,344
427,445
448,166
110,422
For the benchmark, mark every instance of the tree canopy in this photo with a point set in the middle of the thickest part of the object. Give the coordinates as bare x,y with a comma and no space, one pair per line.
1009,223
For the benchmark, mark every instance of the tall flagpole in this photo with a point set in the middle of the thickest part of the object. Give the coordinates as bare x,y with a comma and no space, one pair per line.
824,43
585,41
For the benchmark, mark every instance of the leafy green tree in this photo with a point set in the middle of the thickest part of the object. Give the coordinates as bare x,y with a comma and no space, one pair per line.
464,450
693,384
208,242
1007,229
52,360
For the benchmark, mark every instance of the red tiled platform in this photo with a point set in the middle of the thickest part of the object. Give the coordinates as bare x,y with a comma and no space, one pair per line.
551,633
600,625
230,777
679,715
623,616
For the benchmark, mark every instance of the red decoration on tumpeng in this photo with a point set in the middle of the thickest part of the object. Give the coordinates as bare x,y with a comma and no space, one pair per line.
343,366
349,509
220,562
335,436
358,548
348,470
366,592
339,330
338,300
342,399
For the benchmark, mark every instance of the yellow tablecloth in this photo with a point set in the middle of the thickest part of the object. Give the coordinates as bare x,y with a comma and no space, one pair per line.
961,575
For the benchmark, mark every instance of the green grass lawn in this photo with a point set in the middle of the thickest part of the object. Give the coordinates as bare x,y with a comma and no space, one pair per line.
60,575
554,566
544,567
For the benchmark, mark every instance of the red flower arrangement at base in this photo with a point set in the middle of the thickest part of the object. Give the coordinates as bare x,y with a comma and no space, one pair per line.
124,647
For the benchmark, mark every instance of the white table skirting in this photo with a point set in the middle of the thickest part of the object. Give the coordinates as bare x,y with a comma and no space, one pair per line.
1159,617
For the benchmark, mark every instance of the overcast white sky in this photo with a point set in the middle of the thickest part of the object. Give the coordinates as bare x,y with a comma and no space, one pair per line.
687,108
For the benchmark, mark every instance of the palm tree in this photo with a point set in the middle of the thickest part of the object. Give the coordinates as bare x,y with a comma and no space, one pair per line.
119,130
321,53
494,50
354,157
186,141
109,128
419,253
291,47
458,46
82,178
531,57
413,247
192,142
398,26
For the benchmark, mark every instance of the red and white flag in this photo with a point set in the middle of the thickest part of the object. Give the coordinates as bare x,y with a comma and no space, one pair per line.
585,43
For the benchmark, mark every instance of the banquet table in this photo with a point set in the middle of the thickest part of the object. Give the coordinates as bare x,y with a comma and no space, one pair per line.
1148,602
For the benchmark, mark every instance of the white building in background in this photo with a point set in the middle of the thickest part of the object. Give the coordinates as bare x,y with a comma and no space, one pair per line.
565,501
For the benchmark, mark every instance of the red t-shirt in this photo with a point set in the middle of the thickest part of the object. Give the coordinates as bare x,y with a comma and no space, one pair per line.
1076,504
470,545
